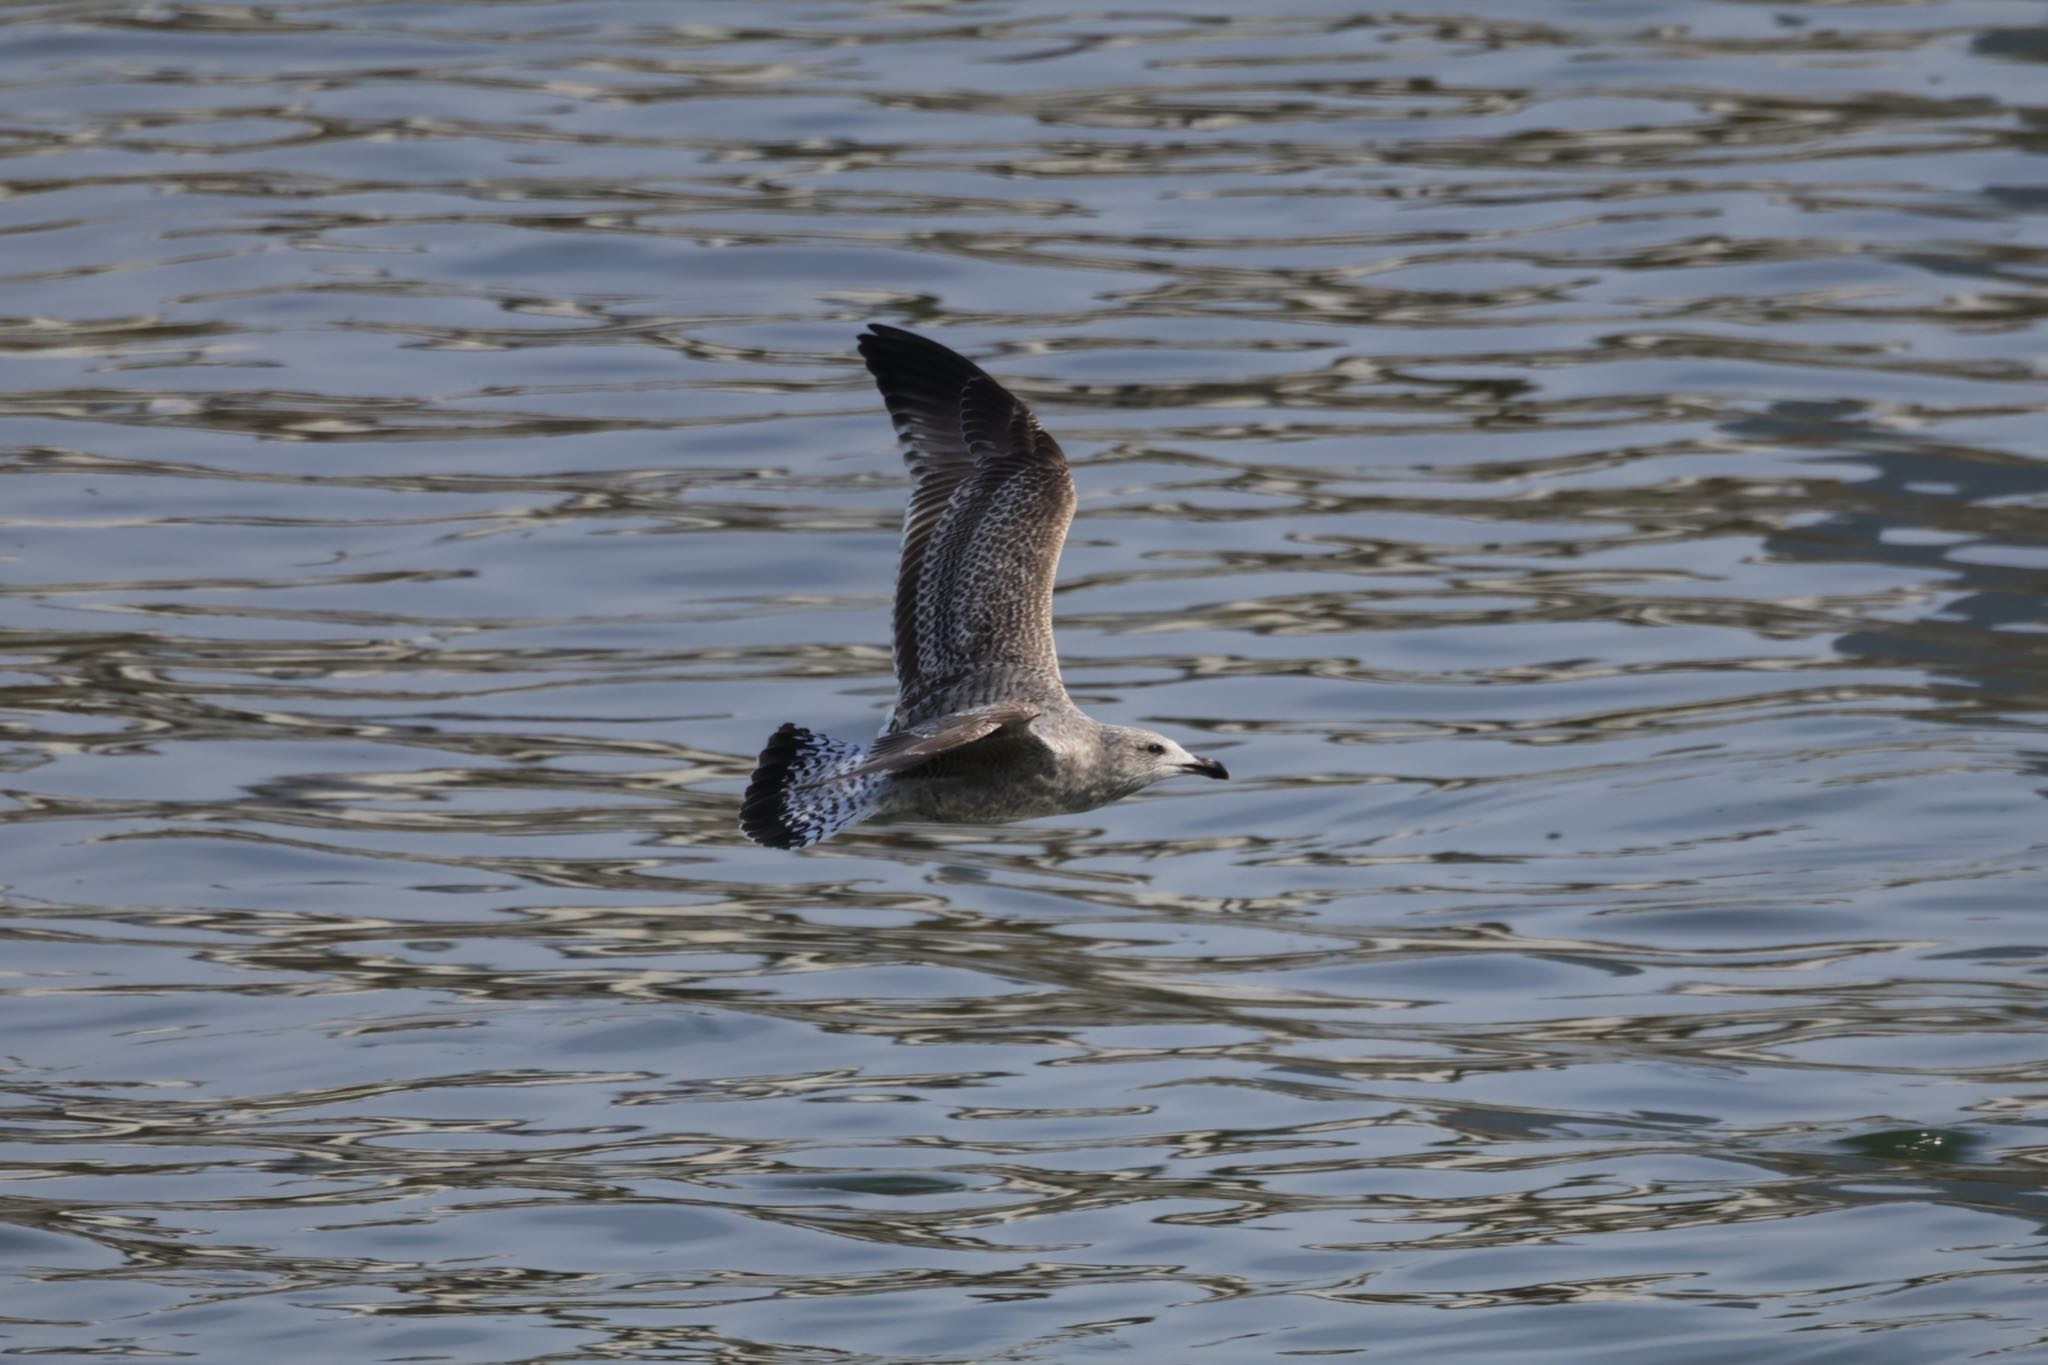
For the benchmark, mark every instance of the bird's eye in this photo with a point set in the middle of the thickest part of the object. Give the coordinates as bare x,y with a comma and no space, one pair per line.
1155,748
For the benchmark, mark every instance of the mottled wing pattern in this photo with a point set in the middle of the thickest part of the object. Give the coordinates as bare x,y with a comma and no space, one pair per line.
982,535
905,748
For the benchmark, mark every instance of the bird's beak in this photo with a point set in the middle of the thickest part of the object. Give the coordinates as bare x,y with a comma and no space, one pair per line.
1207,767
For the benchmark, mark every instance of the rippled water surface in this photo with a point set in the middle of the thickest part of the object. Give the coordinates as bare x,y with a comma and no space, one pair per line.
1578,463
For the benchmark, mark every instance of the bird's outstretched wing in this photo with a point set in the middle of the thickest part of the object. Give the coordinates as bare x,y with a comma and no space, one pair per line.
981,537
906,748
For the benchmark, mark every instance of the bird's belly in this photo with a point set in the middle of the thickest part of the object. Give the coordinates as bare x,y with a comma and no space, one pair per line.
965,800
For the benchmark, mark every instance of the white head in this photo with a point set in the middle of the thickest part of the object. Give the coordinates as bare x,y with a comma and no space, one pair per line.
1138,758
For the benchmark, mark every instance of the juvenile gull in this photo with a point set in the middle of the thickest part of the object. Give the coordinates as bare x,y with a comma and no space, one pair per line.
983,729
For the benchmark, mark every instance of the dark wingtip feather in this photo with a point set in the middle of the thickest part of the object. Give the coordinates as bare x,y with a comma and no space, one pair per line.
761,816
944,405
891,352
882,334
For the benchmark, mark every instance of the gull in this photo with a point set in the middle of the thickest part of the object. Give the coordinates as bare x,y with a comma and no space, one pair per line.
983,730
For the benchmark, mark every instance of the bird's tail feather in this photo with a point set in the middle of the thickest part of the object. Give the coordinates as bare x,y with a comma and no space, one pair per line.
802,791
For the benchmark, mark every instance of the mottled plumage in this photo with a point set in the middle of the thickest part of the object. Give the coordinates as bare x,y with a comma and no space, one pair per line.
983,729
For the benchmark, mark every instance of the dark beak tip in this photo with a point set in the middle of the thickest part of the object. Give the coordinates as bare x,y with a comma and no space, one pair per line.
1209,767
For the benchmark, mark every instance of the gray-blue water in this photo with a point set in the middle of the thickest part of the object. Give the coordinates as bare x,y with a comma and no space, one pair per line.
1579,464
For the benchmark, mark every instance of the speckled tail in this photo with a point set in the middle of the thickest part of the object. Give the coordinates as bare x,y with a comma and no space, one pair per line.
797,796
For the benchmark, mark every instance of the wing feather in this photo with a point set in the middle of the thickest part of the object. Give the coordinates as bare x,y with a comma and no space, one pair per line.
906,748
988,514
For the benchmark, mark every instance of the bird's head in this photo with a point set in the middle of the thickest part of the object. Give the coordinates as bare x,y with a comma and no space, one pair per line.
1144,757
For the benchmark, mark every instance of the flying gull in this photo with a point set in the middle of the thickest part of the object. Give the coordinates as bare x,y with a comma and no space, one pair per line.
983,730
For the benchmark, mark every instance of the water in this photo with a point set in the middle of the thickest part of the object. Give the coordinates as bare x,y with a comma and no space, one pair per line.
1578,464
